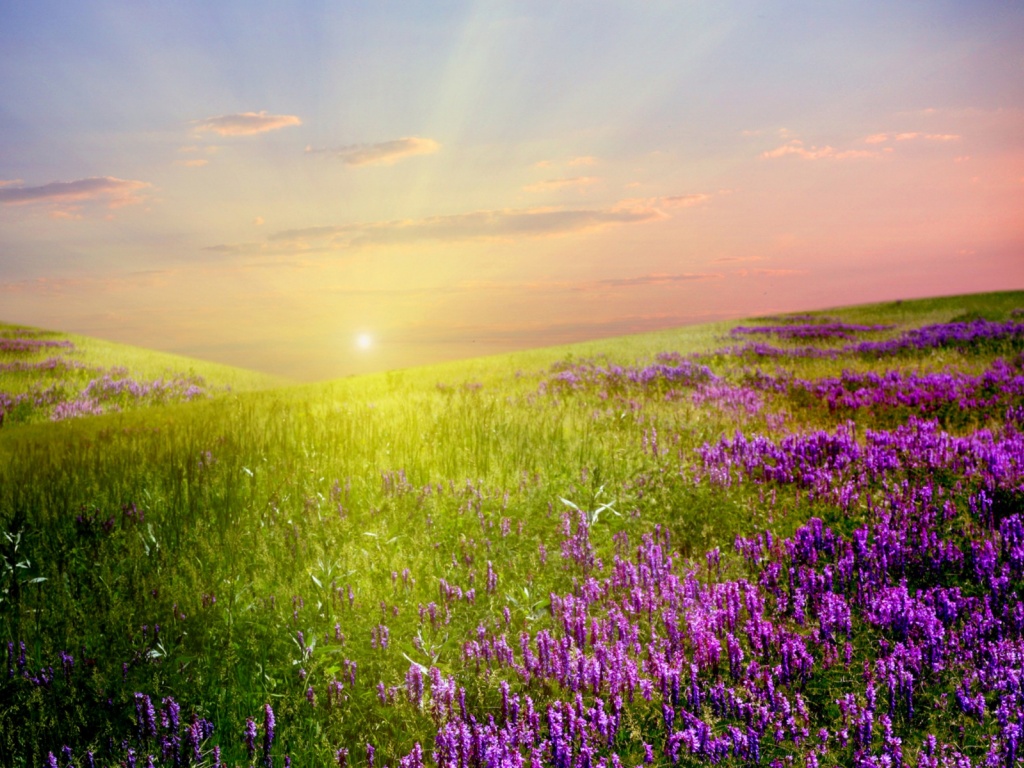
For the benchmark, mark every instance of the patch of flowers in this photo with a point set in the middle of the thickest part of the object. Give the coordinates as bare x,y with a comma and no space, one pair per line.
878,624
676,372
965,337
110,390
23,344
658,661
951,396
49,364
827,331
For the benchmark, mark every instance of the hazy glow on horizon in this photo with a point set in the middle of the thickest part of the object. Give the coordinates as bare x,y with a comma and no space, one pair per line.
255,182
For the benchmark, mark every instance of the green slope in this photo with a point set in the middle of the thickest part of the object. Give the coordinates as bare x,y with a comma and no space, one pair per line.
238,521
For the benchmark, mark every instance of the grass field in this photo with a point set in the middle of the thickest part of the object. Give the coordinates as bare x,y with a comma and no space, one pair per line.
791,541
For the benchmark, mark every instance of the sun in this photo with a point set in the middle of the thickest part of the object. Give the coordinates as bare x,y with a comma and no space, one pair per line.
364,341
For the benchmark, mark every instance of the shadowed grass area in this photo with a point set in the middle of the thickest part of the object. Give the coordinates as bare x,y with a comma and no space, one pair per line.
388,559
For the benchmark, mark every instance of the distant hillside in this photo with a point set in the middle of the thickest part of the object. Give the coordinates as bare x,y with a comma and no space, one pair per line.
46,375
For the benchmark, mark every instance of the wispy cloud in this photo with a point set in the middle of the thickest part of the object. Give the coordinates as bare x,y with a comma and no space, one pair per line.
582,160
503,224
507,224
553,184
669,202
102,189
381,153
881,138
796,147
245,123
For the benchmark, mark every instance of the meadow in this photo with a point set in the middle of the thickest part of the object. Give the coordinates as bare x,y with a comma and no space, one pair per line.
789,541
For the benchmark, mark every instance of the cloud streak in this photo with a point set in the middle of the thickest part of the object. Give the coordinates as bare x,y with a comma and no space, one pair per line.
881,138
797,148
381,153
245,123
105,189
505,224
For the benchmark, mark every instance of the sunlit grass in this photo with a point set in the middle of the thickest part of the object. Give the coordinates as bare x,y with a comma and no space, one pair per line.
238,521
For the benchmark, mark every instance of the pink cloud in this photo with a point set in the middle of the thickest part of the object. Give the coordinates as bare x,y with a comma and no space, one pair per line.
102,189
881,138
509,224
381,153
667,202
796,147
245,123
851,154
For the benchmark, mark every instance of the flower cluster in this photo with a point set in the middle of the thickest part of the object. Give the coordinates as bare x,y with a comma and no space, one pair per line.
988,394
684,373
809,331
839,469
964,337
115,390
751,669
25,344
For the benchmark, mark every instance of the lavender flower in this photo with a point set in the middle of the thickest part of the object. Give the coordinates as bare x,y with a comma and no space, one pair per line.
268,734
250,737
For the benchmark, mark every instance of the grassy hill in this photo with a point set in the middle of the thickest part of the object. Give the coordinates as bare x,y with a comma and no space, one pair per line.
794,537
49,375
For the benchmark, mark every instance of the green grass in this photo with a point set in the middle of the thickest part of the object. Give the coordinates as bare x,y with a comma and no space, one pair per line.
262,506
94,355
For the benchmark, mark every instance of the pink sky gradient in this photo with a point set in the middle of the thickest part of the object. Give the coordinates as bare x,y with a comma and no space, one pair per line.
261,189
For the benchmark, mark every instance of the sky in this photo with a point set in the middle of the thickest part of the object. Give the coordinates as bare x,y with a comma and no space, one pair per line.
316,189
